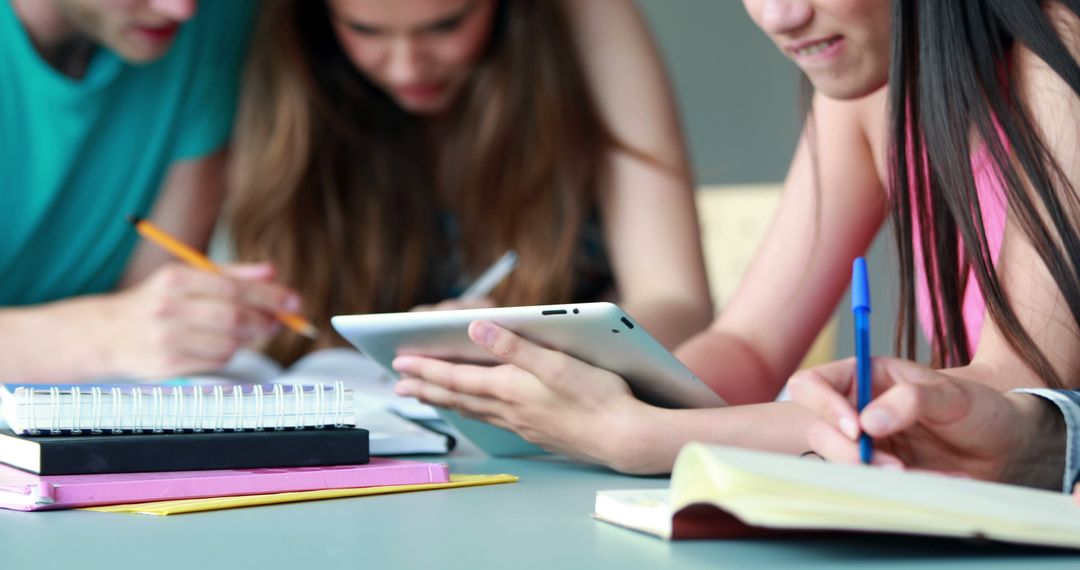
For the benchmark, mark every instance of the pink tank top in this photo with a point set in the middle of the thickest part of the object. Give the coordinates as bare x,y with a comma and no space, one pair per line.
993,205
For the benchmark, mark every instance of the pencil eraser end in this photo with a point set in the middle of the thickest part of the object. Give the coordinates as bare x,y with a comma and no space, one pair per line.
860,285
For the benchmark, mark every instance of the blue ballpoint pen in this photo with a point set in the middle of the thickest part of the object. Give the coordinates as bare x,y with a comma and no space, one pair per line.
860,309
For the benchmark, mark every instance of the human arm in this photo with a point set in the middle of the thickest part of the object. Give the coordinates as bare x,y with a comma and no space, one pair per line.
1068,403
165,319
587,413
187,209
800,268
647,208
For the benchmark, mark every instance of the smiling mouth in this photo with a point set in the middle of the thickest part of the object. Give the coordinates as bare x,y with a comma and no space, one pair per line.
421,91
158,33
816,47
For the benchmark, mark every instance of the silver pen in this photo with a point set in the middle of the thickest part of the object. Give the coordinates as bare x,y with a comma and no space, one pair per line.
494,275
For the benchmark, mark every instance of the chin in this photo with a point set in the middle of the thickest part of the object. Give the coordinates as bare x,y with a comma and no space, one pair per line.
142,55
847,90
137,50
426,109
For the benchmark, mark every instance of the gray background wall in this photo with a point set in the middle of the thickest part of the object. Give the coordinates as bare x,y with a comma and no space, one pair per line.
737,93
738,96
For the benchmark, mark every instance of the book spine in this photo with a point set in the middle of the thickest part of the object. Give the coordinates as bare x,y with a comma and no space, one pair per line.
194,452
189,485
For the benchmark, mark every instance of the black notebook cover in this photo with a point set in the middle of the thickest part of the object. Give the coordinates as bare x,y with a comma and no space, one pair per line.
133,453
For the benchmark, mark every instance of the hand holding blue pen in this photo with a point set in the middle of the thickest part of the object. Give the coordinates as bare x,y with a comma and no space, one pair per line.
860,310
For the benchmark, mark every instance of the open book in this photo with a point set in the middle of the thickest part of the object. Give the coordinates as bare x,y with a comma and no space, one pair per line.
719,492
377,408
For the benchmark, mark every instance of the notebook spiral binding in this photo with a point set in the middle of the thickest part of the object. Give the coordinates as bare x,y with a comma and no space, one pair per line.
181,409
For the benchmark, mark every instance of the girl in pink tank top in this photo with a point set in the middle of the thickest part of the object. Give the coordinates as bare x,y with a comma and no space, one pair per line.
984,100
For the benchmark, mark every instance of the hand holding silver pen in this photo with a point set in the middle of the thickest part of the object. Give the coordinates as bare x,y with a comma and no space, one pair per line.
475,295
488,280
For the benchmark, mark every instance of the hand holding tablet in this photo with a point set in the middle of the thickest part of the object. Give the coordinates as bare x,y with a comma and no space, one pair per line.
600,334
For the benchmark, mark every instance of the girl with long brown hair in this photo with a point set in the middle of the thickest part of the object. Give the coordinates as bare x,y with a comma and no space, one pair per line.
387,152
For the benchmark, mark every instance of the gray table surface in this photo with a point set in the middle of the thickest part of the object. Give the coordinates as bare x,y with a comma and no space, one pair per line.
540,522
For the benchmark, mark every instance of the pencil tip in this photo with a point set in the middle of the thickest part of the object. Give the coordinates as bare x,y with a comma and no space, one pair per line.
310,331
133,219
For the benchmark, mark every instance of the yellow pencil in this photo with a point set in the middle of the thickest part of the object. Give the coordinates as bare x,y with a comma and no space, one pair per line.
199,261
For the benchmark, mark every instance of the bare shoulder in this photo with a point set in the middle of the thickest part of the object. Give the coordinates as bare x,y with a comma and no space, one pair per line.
866,116
1052,102
1032,73
600,15
853,132
627,77
612,37
1067,24
862,112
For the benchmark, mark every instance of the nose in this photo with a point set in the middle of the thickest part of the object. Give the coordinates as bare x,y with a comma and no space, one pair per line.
178,10
782,16
405,61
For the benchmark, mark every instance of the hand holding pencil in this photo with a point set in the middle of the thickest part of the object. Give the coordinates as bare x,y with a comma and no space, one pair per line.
197,260
193,316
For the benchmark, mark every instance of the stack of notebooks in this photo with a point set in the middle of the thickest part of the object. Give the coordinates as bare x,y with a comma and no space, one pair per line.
79,446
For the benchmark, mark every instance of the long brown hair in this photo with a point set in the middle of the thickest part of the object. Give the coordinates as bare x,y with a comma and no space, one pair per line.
949,81
332,181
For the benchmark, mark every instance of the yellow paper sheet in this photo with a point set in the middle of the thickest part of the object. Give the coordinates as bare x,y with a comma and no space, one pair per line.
181,506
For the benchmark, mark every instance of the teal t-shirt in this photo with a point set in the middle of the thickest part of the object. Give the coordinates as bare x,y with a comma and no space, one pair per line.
77,155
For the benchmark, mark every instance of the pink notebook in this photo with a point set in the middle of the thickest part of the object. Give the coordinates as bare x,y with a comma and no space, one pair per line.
24,491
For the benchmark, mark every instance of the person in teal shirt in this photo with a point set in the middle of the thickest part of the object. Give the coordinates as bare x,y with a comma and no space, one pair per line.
110,108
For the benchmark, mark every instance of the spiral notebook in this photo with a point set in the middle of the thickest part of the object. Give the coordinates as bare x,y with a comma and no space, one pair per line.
135,408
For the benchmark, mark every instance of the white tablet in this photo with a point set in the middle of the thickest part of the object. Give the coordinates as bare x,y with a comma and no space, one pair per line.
601,334
598,333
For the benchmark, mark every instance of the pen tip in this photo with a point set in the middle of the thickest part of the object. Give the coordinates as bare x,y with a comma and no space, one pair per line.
133,219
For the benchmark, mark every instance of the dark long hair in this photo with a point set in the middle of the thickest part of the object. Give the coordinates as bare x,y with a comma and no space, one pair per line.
333,182
952,89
